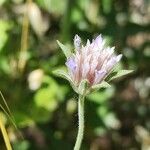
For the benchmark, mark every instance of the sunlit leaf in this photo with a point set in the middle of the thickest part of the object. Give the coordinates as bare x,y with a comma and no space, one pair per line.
45,98
21,145
2,2
101,96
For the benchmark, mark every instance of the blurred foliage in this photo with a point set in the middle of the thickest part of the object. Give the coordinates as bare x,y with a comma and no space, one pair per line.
43,105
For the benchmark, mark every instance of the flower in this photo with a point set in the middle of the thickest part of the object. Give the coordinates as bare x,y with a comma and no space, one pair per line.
90,67
92,62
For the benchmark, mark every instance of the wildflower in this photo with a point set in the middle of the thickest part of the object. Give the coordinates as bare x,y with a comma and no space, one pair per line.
89,65
92,62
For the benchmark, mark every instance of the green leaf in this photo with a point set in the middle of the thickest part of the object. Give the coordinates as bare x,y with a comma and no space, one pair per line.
62,73
65,49
118,74
107,5
45,98
21,145
104,84
22,119
101,97
83,87
53,6
2,2
4,27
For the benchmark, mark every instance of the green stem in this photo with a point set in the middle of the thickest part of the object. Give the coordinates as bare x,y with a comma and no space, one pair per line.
81,122
4,134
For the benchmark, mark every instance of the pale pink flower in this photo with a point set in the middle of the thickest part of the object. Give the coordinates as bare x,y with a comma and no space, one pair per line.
92,62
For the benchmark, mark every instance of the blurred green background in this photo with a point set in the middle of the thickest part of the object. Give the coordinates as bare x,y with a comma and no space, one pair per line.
43,106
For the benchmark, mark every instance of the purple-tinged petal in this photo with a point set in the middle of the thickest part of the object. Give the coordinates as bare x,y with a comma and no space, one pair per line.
99,75
112,62
98,39
71,64
98,43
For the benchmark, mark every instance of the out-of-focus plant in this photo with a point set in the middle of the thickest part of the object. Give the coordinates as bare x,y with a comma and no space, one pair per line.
4,133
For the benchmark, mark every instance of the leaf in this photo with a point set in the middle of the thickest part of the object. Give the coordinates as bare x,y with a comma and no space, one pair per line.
53,6
101,97
104,84
82,87
2,2
118,74
65,49
4,27
45,98
62,73
21,145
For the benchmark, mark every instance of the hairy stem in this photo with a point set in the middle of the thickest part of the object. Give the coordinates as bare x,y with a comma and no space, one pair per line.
81,123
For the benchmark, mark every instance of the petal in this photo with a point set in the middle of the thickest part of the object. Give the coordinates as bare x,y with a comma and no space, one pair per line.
98,43
110,51
118,57
99,75
85,70
88,43
93,66
71,64
99,39
111,63
77,42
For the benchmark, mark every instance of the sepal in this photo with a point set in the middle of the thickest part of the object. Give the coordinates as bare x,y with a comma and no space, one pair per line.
64,74
83,87
104,84
118,74
65,49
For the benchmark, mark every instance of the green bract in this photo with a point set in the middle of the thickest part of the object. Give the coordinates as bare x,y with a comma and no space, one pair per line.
65,49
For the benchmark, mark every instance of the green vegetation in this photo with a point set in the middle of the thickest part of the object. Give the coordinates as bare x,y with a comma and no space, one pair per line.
41,103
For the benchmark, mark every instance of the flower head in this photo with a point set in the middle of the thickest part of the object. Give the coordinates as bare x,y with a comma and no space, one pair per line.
89,65
92,62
